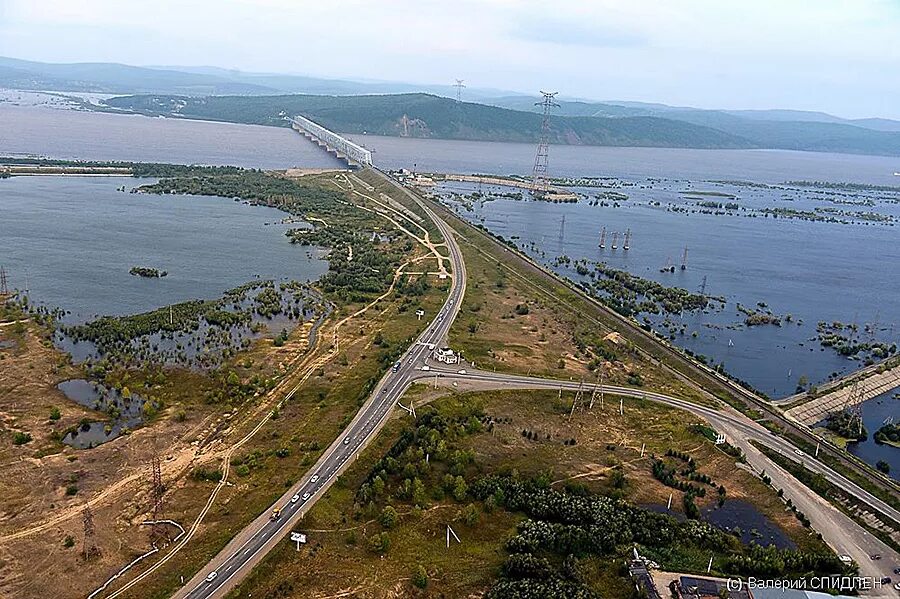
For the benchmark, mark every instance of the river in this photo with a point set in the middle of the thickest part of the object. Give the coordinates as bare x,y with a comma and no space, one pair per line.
72,241
814,271
78,135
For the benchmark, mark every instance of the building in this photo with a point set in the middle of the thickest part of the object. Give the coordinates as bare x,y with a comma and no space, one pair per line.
445,355
692,587
643,581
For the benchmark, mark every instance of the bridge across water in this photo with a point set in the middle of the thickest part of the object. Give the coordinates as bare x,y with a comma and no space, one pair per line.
354,154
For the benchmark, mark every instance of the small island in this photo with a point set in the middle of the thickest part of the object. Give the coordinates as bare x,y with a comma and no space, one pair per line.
848,425
149,273
889,434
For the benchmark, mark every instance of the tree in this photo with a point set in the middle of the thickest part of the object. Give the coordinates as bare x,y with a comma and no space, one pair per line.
380,543
388,517
460,488
471,515
420,577
55,414
883,466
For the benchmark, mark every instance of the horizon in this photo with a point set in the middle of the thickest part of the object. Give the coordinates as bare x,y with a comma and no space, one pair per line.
826,57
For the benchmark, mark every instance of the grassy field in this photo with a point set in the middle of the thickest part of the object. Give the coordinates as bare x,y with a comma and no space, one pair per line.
202,413
343,529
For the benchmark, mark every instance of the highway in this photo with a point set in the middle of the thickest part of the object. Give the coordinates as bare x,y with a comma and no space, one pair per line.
236,560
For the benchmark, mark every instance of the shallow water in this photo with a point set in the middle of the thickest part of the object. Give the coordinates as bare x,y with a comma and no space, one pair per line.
72,241
124,413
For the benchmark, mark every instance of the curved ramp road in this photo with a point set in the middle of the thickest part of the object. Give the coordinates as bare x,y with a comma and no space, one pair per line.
844,535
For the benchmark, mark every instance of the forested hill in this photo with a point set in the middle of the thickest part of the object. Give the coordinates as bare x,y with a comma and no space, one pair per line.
425,115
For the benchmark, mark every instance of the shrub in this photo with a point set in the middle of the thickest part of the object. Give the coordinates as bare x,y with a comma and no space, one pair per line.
420,577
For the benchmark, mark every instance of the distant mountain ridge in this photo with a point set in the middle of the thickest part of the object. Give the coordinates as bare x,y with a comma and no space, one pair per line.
430,116
405,110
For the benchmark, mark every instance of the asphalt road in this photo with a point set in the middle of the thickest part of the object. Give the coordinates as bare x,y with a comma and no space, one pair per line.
234,562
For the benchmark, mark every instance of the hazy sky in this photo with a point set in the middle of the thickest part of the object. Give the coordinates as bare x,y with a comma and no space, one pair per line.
840,56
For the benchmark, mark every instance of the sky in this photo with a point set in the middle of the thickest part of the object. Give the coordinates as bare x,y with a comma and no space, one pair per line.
837,56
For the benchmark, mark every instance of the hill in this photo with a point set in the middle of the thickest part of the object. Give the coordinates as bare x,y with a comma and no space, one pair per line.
429,116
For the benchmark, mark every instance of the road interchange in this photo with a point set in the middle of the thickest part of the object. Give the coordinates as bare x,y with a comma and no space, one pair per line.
237,559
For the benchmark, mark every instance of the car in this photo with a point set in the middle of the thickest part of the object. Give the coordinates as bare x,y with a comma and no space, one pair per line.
426,368
461,371
212,576
305,496
886,580
295,498
846,559
875,557
897,586
346,440
896,570
799,453
314,479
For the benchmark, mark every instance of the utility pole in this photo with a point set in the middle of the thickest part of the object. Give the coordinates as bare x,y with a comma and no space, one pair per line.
577,397
450,531
539,184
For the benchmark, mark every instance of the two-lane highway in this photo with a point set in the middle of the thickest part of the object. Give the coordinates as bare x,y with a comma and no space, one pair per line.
234,562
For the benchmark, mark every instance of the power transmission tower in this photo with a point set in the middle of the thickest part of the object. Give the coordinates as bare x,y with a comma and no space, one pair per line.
157,530
539,183
459,85
89,549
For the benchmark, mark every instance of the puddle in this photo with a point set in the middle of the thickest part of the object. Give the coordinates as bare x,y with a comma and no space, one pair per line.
737,514
754,525
123,413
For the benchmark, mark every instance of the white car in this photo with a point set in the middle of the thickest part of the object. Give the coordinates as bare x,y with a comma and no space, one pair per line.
295,498
846,559
426,368
314,479
463,371
212,576
305,496
346,440
799,453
